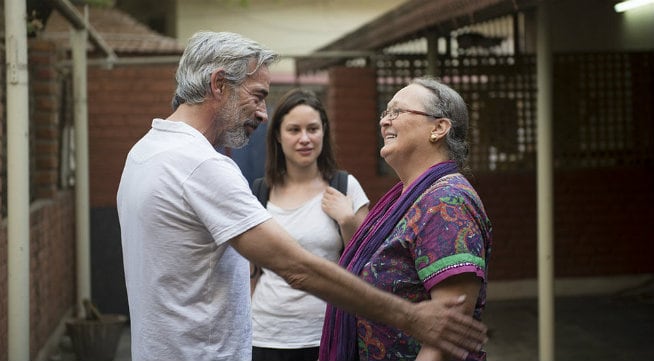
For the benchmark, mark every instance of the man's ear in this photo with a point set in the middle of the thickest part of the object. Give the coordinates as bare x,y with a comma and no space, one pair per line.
218,82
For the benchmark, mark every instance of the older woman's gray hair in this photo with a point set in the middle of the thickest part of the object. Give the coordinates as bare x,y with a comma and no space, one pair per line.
207,51
447,102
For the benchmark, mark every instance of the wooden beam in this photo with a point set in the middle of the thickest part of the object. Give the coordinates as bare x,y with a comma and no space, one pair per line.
77,20
412,20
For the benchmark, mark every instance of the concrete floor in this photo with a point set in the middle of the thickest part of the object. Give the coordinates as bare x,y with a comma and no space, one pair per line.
618,327
596,328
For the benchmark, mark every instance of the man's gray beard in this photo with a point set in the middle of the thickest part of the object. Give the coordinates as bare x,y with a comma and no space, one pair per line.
236,138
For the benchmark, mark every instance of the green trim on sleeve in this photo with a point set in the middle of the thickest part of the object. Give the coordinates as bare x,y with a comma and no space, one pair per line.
451,261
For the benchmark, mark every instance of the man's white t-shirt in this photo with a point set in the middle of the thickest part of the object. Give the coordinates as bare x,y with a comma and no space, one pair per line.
179,202
286,318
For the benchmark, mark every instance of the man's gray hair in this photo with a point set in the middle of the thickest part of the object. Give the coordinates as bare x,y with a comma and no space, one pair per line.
447,102
207,51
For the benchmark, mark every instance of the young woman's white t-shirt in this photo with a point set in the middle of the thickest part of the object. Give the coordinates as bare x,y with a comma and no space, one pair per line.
283,317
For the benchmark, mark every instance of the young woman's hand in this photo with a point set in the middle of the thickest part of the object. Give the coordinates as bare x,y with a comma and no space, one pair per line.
337,205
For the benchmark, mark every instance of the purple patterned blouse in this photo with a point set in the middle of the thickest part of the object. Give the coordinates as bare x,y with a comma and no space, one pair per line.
445,232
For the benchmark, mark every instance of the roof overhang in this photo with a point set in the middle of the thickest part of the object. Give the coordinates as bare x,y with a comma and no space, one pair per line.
78,21
408,21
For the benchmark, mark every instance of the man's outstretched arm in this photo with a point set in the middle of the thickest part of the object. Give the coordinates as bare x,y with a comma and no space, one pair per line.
439,323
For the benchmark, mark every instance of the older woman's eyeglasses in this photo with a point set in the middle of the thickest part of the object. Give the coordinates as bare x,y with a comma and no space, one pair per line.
393,113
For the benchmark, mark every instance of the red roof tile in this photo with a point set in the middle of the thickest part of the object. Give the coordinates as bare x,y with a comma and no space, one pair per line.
120,31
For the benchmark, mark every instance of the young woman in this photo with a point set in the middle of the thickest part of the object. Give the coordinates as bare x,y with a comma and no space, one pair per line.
287,323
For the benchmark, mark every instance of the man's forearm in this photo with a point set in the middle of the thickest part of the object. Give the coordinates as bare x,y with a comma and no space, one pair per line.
436,323
269,246
342,289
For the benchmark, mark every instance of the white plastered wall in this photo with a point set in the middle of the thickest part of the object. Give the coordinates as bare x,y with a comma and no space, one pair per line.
289,27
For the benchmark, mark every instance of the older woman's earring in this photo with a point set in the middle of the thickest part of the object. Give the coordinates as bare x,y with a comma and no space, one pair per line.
433,137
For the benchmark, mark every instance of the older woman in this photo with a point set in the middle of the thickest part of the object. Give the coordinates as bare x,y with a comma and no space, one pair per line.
428,237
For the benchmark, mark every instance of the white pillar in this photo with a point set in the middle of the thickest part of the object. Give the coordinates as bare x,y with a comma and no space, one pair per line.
18,214
545,189
82,235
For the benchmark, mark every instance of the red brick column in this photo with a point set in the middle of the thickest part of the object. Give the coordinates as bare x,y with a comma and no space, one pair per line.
45,125
352,107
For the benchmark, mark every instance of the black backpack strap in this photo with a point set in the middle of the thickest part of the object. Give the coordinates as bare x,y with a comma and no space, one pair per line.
339,181
261,191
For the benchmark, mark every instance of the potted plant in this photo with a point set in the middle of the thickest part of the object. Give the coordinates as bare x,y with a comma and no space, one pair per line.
96,336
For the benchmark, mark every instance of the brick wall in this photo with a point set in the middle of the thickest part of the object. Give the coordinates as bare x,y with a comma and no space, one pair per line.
52,214
600,218
44,118
122,103
52,265
510,202
601,215
52,269
352,107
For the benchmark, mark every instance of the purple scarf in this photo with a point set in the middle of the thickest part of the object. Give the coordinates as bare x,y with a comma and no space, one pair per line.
339,333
